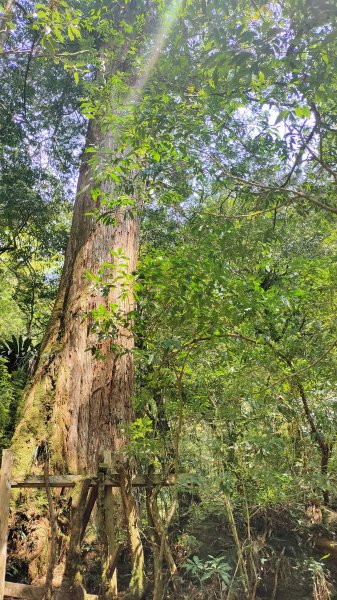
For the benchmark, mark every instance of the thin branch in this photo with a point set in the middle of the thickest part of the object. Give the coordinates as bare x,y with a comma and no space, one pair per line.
322,163
41,54
36,37
249,215
282,190
236,336
317,360
301,151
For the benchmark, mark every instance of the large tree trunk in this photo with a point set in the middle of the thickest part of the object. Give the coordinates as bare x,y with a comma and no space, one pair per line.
76,401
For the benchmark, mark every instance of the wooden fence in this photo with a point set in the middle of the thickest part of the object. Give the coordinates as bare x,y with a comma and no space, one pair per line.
18,590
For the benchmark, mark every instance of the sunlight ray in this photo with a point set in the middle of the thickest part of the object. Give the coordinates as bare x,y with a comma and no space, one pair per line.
151,59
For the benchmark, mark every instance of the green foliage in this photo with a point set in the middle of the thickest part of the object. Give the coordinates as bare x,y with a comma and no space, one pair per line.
108,319
204,570
6,394
18,352
11,386
143,444
12,321
233,325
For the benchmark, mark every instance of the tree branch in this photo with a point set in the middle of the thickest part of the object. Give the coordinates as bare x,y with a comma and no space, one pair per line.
281,190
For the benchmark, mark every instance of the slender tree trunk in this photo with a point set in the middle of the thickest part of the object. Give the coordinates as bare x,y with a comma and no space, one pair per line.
321,441
76,401
325,455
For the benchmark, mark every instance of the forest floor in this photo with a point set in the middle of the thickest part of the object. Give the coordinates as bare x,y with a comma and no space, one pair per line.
293,550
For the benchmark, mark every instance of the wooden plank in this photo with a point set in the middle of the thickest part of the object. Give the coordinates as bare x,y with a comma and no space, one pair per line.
31,592
5,491
69,481
55,481
19,590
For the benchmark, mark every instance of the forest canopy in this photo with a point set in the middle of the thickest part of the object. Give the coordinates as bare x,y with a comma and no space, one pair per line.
168,280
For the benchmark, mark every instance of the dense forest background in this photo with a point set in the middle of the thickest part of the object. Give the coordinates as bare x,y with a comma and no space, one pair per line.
224,120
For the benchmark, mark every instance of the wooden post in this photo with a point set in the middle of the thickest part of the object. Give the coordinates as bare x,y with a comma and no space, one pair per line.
72,580
113,547
137,583
5,490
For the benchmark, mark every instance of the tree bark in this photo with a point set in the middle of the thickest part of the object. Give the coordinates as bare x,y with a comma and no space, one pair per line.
76,401
79,402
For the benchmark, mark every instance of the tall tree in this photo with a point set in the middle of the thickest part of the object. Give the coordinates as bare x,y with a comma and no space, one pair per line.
80,395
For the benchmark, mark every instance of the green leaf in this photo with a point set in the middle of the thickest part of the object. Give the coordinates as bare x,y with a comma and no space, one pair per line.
58,34
299,111
306,111
303,111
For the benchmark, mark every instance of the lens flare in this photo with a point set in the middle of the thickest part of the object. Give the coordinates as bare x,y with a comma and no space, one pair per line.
151,58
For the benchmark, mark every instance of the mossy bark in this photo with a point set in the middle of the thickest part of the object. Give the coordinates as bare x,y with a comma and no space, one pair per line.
76,401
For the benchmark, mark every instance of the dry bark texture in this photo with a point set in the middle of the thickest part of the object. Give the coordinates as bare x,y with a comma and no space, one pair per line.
76,401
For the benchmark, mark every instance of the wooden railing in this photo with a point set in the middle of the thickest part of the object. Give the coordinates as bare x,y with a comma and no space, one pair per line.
29,592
